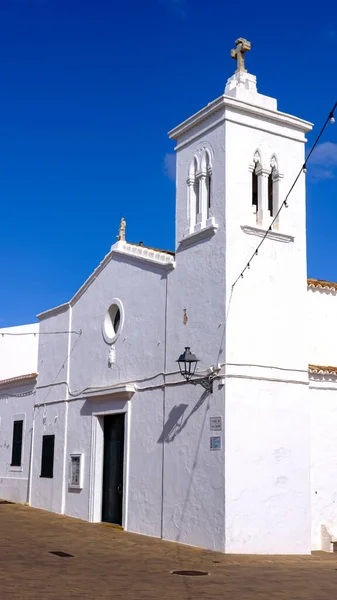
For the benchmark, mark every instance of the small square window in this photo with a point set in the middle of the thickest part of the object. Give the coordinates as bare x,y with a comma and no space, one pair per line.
47,460
17,444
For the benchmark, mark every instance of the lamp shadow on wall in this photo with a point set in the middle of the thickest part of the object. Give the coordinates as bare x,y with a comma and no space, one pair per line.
176,422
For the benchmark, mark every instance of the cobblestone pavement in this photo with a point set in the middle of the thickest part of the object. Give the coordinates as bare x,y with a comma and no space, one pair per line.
108,563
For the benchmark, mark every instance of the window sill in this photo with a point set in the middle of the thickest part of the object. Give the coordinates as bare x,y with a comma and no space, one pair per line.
272,234
16,468
208,230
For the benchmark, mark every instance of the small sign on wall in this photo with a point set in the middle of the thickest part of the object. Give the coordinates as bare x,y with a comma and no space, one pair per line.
215,443
216,424
76,471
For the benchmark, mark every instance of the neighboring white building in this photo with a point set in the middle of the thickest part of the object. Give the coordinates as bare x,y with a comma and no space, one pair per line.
18,374
120,436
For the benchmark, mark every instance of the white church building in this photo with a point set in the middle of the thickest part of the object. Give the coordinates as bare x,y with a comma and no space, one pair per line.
98,422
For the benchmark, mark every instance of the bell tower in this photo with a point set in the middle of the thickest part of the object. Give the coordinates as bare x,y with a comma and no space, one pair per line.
237,158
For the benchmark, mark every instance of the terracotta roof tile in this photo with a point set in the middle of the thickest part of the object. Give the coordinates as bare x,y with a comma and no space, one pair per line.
154,249
322,369
28,377
321,283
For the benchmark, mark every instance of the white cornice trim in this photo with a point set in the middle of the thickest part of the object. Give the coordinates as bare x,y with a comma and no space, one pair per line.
113,393
322,376
272,235
52,312
193,238
224,102
145,254
202,114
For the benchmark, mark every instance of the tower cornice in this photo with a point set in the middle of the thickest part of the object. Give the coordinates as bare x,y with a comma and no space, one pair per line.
229,108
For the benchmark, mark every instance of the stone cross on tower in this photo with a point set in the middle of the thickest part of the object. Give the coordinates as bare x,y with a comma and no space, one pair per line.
242,46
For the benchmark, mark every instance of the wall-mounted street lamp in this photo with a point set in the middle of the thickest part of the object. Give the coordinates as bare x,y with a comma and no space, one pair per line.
187,362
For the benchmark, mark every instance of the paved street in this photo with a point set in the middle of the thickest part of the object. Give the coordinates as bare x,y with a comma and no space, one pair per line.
108,563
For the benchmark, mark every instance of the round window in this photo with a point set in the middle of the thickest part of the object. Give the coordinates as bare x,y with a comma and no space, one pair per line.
112,322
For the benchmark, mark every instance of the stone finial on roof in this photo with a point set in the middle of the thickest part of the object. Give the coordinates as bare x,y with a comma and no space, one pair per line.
242,46
121,230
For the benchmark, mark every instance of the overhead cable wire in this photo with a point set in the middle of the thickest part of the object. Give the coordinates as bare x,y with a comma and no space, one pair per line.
3,333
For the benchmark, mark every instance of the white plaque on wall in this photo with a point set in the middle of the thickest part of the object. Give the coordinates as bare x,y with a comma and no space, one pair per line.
216,424
76,471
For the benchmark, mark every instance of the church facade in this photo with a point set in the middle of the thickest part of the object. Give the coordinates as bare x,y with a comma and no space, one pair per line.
112,431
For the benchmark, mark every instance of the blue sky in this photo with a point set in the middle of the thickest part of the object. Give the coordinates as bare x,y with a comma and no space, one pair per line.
88,91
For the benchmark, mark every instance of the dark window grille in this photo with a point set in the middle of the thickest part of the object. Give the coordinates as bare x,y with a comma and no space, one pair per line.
47,461
17,443
209,191
197,203
117,320
254,190
270,194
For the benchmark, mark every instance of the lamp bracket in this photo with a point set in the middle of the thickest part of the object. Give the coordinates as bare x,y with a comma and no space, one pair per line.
205,382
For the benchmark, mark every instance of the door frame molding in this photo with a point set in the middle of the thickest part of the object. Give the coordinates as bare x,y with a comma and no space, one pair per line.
96,460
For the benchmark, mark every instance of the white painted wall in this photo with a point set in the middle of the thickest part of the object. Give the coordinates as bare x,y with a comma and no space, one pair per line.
53,357
193,496
78,440
47,493
267,467
16,403
18,356
193,474
144,493
323,402
322,321
141,289
18,353
268,508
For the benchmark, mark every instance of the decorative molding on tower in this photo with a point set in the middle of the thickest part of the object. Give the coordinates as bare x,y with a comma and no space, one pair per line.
236,109
272,235
243,80
199,232
242,86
